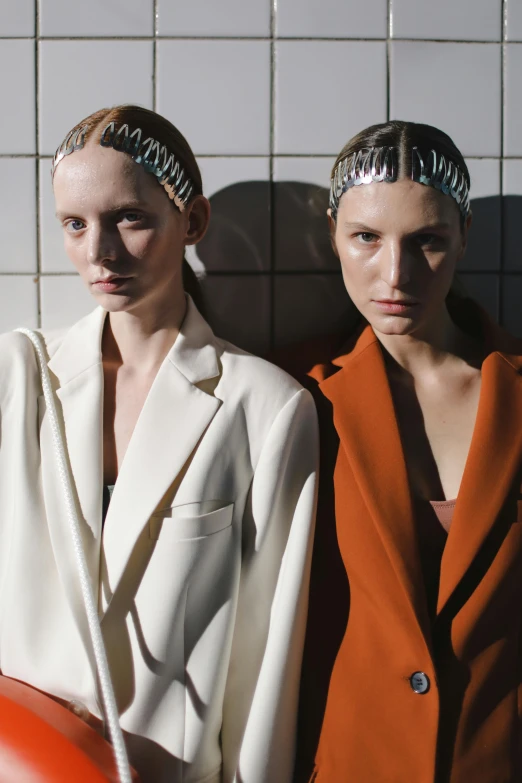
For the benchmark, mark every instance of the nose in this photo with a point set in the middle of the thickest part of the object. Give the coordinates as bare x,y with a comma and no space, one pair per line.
101,245
395,265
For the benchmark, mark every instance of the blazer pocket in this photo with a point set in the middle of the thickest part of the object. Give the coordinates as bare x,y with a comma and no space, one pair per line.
191,520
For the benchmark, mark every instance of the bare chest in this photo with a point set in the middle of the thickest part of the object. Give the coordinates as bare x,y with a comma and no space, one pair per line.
124,397
436,426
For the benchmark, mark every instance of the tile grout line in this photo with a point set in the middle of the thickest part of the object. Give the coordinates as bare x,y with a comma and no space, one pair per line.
37,164
503,31
326,39
389,31
154,50
271,331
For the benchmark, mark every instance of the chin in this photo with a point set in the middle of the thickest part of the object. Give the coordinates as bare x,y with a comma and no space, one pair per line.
114,303
394,325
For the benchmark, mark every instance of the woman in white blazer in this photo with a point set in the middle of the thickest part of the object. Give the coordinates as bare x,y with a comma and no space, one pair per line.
200,567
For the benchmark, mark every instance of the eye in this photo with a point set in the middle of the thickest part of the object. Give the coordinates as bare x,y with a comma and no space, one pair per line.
74,225
429,239
132,217
366,237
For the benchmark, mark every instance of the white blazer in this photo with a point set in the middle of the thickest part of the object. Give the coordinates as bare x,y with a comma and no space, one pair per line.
201,567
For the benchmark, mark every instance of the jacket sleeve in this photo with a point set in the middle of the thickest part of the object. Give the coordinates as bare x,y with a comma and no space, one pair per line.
260,707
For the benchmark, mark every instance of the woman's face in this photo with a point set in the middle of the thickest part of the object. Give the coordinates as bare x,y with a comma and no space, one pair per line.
121,231
398,244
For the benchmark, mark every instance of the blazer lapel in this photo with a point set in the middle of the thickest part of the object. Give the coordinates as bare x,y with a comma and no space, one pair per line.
365,420
174,418
76,365
172,422
494,458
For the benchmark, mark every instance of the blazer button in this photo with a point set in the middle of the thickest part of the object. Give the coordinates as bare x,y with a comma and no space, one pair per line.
420,682
79,709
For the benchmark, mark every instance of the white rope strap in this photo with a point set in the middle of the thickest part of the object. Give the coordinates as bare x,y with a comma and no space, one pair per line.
100,655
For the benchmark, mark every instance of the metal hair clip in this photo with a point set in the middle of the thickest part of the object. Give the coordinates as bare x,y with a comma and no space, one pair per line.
74,140
153,156
155,159
374,164
442,174
380,164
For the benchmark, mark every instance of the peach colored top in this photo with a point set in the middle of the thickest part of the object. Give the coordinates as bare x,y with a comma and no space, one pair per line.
444,510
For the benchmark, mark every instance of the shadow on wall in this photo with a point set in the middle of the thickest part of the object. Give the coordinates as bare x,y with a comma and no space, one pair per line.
264,291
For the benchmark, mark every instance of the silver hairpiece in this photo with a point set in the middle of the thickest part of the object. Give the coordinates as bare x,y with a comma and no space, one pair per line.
74,140
149,153
374,164
442,174
379,164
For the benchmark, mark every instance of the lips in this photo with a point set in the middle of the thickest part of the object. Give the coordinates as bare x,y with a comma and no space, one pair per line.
111,283
394,306
396,301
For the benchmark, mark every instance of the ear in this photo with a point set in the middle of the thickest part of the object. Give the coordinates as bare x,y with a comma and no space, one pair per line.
332,225
197,217
465,233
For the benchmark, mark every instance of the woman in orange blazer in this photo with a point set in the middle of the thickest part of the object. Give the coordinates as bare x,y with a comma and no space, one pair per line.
415,624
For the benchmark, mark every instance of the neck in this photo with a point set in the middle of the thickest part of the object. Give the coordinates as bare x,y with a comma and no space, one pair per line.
426,350
141,339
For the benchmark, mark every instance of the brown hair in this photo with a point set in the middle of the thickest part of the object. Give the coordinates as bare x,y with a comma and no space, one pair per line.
404,136
160,129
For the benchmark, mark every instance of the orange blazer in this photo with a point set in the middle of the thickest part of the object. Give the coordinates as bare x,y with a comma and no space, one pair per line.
369,629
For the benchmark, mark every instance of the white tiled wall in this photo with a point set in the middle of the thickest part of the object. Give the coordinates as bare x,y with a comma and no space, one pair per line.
443,20
318,84
18,19
217,92
267,92
209,19
95,19
78,77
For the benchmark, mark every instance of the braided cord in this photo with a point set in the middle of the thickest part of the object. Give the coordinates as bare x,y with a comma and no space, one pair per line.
100,655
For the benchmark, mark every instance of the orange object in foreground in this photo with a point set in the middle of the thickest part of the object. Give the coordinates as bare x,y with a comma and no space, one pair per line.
43,742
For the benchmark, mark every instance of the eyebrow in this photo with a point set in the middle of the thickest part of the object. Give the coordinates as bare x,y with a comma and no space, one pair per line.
125,206
422,230
360,227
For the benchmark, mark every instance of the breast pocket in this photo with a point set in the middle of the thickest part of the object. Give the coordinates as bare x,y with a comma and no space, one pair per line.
191,520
